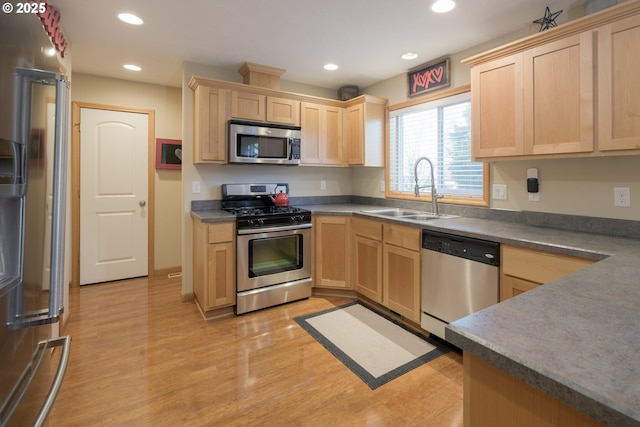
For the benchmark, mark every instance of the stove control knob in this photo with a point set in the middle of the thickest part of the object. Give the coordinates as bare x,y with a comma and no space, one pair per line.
251,222
260,222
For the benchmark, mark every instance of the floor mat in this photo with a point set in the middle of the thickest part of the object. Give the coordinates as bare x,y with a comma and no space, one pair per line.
372,346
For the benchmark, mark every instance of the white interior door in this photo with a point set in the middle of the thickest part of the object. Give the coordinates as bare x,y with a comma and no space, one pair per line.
113,195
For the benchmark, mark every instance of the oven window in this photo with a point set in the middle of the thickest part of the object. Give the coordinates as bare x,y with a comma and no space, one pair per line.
275,255
261,147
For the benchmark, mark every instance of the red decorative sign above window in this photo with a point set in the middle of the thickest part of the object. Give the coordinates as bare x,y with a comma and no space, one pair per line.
50,19
428,77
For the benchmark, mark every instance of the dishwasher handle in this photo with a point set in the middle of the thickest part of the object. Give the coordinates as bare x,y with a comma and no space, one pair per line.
478,250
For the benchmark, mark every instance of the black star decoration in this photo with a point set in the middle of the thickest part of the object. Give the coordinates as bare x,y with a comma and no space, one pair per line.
549,19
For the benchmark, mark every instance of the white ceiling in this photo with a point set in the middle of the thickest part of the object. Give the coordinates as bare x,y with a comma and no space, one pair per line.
364,37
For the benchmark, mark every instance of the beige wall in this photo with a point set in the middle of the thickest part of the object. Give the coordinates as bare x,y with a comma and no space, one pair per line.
166,102
570,186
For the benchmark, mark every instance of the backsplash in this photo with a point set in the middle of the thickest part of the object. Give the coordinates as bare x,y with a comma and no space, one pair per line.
606,226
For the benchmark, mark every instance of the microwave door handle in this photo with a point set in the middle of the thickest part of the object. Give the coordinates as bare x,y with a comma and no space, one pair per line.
290,148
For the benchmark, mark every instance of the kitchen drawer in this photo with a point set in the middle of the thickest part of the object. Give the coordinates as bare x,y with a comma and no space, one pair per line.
222,232
367,228
538,266
404,237
513,286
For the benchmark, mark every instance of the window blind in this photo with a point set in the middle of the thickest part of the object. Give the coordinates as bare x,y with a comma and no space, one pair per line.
440,130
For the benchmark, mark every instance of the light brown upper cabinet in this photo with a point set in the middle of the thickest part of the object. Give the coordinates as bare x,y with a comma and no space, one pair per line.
334,133
497,108
364,130
558,96
322,134
283,110
619,85
544,95
248,106
258,107
211,113
535,102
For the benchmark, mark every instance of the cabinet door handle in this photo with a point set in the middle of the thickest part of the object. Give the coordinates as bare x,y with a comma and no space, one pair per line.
142,203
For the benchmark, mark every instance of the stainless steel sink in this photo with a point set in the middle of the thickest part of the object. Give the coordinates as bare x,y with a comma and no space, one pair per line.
407,214
393,212
424,217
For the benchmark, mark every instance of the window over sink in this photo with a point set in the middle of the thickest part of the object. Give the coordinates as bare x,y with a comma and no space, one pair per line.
439,127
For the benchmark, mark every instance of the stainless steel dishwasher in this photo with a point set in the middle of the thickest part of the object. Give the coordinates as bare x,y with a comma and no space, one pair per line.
459,277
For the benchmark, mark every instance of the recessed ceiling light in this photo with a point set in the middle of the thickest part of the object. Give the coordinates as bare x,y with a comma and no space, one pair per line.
130,19
409,56
442,6
330,67
132,67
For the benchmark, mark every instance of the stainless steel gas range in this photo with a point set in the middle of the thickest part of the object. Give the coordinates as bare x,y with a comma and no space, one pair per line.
273,246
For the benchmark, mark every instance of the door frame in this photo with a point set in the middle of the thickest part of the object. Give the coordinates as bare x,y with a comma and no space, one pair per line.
75,183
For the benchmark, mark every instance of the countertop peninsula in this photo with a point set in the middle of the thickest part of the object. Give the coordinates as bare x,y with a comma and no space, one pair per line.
575,338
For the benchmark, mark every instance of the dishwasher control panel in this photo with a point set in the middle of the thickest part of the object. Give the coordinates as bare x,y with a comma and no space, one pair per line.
478,250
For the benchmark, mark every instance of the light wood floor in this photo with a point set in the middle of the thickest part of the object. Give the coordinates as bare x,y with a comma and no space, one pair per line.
141,357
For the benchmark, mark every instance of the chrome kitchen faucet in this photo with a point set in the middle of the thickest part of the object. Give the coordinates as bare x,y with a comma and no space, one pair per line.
434,194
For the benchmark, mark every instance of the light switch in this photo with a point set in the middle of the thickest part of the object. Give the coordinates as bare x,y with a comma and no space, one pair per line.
499,192
195,187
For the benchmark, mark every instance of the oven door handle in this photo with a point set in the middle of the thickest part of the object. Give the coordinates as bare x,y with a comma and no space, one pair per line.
272,229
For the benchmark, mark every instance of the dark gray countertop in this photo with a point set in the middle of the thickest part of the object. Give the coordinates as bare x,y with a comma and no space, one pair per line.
576,338
214,215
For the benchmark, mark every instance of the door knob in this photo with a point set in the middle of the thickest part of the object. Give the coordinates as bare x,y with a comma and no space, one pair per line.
142,203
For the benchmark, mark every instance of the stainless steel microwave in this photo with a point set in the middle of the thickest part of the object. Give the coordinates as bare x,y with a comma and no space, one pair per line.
263,143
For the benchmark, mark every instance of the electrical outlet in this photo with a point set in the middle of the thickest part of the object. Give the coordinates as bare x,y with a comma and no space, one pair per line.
621,197
195,187
323,185
499,192
382,186
534,197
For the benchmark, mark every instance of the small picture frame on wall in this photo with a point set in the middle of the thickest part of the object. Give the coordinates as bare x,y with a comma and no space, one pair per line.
168,153
428,77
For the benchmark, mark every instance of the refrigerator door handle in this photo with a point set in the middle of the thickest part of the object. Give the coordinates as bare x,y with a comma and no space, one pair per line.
56,281
18,391
59,200
65,342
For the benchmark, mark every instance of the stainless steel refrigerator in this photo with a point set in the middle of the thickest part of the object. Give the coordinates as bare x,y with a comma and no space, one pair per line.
33,157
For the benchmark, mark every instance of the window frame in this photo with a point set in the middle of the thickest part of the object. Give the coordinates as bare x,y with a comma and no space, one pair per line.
426,196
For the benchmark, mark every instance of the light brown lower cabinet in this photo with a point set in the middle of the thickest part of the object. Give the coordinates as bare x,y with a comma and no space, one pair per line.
512,286
387,265
401,270
332,266
401,281
214,265
494,398
523,269
367,253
